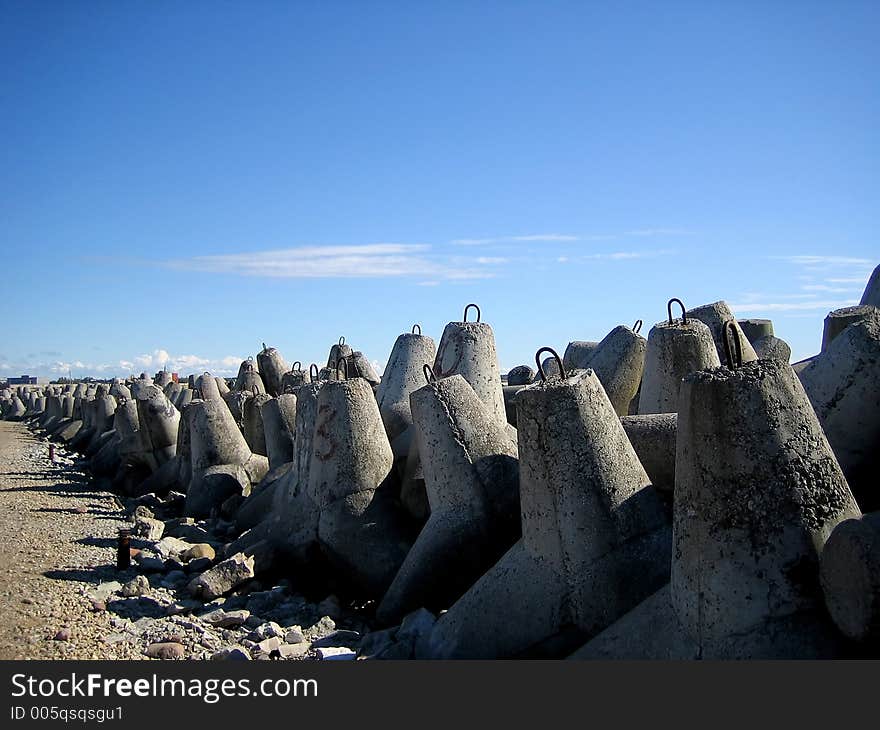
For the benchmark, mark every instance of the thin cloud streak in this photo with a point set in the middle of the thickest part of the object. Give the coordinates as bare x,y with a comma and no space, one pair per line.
564,237
791,306
381,260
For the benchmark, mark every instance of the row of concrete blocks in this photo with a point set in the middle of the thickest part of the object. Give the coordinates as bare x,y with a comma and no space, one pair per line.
337,493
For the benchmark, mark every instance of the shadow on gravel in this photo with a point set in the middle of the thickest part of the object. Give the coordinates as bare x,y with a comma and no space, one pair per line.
135,608
95,575
62,489
44,474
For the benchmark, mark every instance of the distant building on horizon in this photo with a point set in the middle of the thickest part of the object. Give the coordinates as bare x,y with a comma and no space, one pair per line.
27,380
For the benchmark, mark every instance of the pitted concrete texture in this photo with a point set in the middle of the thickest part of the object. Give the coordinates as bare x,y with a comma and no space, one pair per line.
520,375
618,361
159,421
235,400
850,574
253,423
403,374
279,428
208,388
510,392
595,537
653,438
772,347
184,399
468,349
359,529
838,320
472,483
358,366
757,493
673,351
105,407
249,380
272,367
871,295
756,329
714,316
294,529
127,426
294,379
842,386
577,354
337,352
216,441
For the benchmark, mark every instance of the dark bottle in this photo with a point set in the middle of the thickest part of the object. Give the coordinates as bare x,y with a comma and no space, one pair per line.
123,550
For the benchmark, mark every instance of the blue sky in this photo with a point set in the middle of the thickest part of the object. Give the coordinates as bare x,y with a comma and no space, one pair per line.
183,181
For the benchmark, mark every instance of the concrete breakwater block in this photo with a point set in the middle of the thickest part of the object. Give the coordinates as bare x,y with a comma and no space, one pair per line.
675,348
757,494
472,483
215,441
468,349
716,316
842,385
279,428
272,367
595,540
871,295
850,574
361,530
403,374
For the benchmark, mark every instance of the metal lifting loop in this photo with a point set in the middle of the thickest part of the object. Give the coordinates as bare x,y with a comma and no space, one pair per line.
541,365
464,318
735,356
637,327
344,368
417,327
314,373
430,375
683,311
341,341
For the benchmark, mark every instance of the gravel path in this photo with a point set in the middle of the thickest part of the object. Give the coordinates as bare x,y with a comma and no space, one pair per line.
62,597
57,537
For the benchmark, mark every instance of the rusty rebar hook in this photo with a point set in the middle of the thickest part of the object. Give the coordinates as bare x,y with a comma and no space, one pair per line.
637,327
341,341
416,327
430,375
683,310
314,373
297,366
479,314
735,356
541,365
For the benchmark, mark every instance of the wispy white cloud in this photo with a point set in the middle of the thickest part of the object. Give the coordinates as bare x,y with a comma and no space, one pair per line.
789,306
534,237
659,232
812,260
380,260
567,237
624,255
830,289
